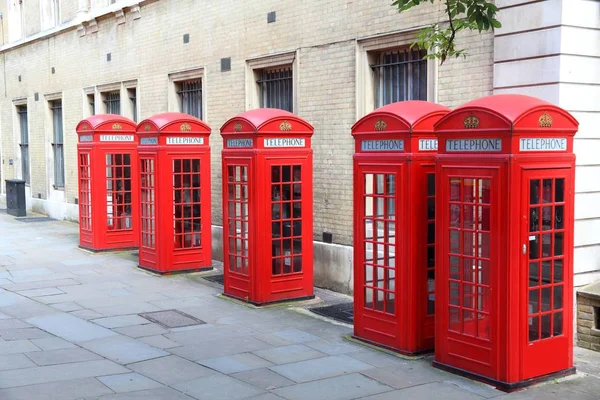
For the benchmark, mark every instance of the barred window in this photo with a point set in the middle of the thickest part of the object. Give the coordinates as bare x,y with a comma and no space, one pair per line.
22,113
112,101
190,97
91,103
57,144
132,94
400,75
276,88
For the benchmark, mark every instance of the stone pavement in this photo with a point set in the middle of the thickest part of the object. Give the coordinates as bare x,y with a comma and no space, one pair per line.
70,329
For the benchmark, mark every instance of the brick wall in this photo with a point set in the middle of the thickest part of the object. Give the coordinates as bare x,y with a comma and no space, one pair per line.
588,336
324,34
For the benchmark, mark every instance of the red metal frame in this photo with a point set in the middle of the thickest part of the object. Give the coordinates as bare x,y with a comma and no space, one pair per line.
108,184
504,309
267,207
394,218
175,234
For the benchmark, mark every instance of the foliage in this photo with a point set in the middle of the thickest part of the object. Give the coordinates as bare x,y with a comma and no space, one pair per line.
463,15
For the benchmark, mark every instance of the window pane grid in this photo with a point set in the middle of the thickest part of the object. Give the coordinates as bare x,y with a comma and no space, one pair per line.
112,100
190,96
430,255
118,191
187,207
237,202
148,215
286,219
400,75
546,258
276,88
24,145
57,145
469,258
379,265
85,195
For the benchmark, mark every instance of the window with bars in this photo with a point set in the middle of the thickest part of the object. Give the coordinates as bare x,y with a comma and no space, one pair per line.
24,145
276,88
91,104
400,74
190,97
112,102
57,144
132,94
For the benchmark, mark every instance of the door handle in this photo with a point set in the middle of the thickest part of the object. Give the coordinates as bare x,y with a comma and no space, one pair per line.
524,248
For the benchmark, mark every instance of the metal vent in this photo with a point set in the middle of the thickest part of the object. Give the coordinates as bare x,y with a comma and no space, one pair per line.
186,38
225,64
271,17
108,56
171,318
19,78
343,312
53,70
36,96
215,278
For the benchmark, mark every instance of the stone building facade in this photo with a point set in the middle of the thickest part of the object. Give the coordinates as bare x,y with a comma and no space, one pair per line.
64,60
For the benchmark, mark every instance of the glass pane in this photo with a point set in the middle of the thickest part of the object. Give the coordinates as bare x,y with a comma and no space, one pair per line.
547,191
430,208
380,183
534,274
454,189
534,192
430,184
558,297
546,326
469,215
454,293
430,256
558,243
558,324
558,217
558,271
454,267
534,223
546,271
454,316
559,190
546,245
546,299
430,233
534,328
455,242
379,301
534,247
455,215
546,218
534,301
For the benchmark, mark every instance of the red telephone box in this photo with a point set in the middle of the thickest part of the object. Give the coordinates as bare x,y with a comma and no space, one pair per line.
267,206
108,185
175,234
394,226
505,193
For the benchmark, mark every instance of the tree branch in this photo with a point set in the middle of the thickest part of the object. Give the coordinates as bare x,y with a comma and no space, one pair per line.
451,39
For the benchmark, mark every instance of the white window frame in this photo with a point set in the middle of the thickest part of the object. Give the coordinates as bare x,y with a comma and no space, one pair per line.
255,65
17,163
176,78
53,188
366,55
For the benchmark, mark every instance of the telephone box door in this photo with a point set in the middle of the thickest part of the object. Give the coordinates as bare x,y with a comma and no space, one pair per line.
547,267
236,184
378,221
468,265
85,198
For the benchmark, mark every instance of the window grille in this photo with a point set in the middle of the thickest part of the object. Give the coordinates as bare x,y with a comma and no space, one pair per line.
57,145
276,88
190,97
22,113
400,75
112,100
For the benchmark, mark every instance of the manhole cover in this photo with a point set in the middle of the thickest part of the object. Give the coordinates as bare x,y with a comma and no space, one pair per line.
342,312
215,278
171,318
35,219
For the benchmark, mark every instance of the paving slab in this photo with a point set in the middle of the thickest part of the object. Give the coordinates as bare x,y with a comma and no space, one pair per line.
160,342
289,354
23,333
334,346
120,321
223,347
13,323
320,368
412,373
15,361
344,387
70,328
377,358
62,356
55,373
130,382
428,391
17,346
163,393
138,331
86,314
65,390
266,396
67,306
218,387
49,291
263,378
123,349
171,370
296,336
52,343
235,363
